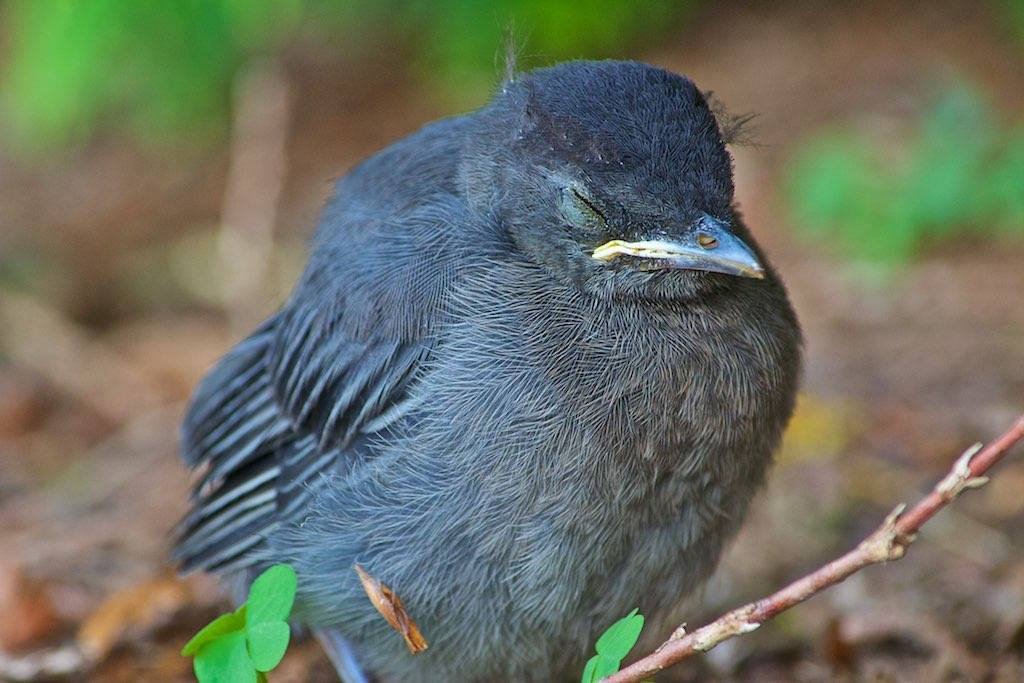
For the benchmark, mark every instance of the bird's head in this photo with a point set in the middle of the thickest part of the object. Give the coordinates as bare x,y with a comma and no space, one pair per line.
613,175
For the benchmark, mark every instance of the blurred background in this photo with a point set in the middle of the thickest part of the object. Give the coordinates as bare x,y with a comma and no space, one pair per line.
163,163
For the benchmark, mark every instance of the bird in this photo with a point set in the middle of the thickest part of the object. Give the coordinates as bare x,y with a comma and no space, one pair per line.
532,375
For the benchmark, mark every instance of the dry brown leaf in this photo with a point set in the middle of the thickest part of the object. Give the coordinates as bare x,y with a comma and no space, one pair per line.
839,652
391,608
133,610
27,614
22,407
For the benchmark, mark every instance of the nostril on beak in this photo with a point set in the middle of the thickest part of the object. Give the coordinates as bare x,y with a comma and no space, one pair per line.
706,241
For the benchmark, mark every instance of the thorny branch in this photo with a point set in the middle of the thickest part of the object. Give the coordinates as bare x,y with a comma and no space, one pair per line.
888,542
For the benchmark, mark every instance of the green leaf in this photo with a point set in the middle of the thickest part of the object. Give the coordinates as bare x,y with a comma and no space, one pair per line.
598,667
620,637
613,646
70,67
224,660
272,595
252,639
882,202
222,625
267,643
606,666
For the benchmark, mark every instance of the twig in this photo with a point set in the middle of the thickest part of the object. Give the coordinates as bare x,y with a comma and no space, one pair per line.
888,542
255,180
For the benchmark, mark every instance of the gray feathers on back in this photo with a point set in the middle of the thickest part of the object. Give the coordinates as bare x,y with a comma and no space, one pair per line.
523,452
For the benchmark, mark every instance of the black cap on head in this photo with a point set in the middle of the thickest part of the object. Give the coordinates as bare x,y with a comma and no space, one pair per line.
630,120
616,176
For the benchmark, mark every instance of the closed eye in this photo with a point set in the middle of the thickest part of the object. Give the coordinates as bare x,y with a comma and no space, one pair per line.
586,204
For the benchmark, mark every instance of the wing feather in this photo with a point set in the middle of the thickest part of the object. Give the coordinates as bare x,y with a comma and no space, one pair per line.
266,435
315,386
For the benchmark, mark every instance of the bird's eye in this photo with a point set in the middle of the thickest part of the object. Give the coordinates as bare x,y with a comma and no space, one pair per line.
585,203
707,241
580,209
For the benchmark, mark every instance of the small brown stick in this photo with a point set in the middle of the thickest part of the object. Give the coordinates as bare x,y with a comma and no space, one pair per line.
888,542
255,181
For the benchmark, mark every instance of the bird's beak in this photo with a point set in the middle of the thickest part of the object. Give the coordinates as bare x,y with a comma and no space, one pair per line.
709,247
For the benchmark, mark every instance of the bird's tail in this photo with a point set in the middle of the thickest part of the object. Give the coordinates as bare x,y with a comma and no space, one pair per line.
232,434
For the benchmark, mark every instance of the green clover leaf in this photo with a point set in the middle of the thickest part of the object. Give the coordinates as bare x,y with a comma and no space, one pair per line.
613,646
621,636
598,667
243,645
222,625
267,643
272,594
224,660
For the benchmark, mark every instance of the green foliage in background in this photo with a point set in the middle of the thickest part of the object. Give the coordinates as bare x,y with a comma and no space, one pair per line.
612,647
245,644
462,42
156,67
961,174
162,69
1014,12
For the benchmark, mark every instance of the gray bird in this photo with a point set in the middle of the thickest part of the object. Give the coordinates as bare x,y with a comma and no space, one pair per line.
531,377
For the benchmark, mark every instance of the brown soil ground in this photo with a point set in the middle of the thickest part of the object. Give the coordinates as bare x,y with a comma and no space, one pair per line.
900,376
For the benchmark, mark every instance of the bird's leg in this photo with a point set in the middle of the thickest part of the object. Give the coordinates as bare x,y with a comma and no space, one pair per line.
343,657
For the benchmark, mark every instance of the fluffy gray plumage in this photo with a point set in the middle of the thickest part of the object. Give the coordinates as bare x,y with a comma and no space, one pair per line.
524,441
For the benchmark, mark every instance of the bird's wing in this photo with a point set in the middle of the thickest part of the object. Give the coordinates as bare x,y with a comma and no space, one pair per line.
281,409
308,391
